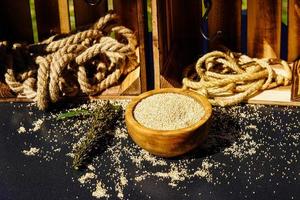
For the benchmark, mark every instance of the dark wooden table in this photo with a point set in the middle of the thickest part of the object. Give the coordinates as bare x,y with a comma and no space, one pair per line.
265,164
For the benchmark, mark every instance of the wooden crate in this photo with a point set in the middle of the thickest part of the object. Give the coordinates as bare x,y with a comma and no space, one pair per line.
177,40
53,16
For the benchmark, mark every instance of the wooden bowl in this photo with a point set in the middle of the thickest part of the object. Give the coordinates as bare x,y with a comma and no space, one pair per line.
169,143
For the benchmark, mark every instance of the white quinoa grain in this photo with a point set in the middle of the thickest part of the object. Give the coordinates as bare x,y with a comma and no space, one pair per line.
21,130
31,152
168,111
101,191
86,177
37,125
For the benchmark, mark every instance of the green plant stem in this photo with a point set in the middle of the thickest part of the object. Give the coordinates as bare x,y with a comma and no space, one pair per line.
73,113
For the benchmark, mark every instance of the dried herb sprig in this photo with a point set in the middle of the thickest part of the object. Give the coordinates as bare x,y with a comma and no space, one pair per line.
103,120
73,113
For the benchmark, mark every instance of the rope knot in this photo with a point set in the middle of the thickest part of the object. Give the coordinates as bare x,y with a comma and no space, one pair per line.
229,78
91,60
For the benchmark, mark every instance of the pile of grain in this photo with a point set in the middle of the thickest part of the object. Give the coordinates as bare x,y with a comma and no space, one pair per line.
168,111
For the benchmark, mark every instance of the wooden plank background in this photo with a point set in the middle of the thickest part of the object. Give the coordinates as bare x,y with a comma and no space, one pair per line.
133,15
15,20
53,16
64,16
293,29
86,14
157,27
47,18
143,41
127,10
176,27
225,16
264,28
186,24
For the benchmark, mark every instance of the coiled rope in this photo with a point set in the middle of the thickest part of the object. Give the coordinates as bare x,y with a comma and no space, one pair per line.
89,61
230,78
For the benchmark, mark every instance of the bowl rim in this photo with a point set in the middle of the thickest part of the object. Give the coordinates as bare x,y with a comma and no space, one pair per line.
129,113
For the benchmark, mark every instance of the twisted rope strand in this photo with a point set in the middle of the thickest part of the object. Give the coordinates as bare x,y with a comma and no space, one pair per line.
73,39
42,81
229,78
62,62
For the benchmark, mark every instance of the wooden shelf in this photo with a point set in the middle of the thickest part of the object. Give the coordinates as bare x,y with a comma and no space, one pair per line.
277,96
131,14
177,41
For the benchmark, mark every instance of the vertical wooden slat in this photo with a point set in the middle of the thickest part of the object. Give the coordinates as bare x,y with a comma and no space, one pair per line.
47,17
177,40
185,30
133,15
264,28
186,25
225,16
86,14
169,25
164,29
156,40
15,20
142,35
296,81
293,29
64,16
127,10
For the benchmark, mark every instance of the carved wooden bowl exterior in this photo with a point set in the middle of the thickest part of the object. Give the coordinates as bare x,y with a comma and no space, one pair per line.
174,142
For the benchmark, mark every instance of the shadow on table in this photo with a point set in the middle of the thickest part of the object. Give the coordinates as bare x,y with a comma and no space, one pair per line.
224,131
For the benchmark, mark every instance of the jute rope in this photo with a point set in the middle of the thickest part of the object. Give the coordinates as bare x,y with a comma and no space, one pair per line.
229,78
89,61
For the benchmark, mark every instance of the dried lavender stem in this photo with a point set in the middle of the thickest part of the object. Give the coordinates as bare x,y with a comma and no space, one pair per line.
103,121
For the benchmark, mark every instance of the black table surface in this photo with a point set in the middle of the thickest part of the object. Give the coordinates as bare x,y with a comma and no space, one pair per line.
264,164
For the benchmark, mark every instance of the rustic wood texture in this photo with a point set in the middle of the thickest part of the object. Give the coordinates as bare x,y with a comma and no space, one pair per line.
159,52
264,37
278,96
131,85
171,74
47,18
128,12
142,37
15,21
53,17
87,14
5,91
176,37
264,28
296,81
225,16
64,16
78,99
169,143
185,28
133,15
293,29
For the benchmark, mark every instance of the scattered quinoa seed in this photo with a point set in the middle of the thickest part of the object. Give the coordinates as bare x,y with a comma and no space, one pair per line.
37,125
31,152
100,191
239,138
21,130
86,177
